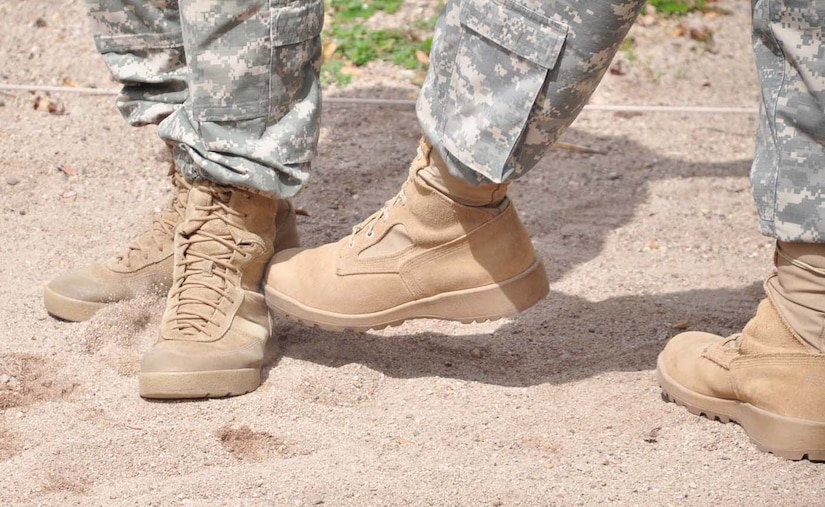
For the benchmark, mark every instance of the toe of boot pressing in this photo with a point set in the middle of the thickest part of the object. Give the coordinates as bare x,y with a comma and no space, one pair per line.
183,369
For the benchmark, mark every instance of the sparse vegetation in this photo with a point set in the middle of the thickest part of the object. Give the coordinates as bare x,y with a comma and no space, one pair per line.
677,7
349,43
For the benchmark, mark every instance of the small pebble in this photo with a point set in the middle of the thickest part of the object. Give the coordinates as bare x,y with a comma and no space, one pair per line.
12,181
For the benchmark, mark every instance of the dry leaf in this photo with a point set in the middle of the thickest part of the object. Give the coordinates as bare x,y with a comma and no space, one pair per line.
422,57
619,68
349,69
679,31
329,50
681,325
701,34
68,171
49,105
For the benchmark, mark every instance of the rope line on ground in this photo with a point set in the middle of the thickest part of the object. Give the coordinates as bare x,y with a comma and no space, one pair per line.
411,103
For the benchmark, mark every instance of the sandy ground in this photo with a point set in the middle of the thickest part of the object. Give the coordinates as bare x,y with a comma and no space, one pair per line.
653,233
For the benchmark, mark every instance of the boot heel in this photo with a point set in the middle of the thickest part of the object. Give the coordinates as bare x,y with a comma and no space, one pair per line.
786,437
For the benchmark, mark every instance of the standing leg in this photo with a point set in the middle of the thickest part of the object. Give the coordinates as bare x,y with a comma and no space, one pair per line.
252,114
244,137
142,45
769,378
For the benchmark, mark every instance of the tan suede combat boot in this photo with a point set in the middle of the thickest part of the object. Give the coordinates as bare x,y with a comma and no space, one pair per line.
144,268
423,255
770,378
215,328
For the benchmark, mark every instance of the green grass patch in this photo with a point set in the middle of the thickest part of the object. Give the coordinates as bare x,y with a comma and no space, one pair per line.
361,45
628,48
332,73
678,7
348,43
348,10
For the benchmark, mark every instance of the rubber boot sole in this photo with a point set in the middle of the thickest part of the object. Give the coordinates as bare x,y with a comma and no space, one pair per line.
198,384
479,304
786,437
66,308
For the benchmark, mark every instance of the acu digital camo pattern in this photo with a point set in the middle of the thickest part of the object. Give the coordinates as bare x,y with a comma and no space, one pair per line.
248,112
142,45
507,78
241,102
788,173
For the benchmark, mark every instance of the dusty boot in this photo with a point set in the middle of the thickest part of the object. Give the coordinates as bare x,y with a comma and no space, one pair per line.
771,377
216,325
422,255
144,268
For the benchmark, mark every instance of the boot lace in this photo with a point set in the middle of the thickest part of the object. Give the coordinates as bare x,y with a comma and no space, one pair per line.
195,300
163,228
383,213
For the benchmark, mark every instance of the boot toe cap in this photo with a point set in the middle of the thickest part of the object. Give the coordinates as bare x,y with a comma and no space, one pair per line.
169,356
684,362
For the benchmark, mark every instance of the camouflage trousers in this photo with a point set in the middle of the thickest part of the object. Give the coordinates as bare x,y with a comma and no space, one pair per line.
788,173
233,84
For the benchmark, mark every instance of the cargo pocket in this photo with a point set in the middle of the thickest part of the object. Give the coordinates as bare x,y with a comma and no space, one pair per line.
503,59
254,66
296,53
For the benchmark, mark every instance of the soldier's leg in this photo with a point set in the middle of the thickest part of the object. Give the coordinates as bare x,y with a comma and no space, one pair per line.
769,377
251,116
141,44
506,78
244,137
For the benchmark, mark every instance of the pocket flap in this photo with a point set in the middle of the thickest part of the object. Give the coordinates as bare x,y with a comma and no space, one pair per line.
298,22
516,28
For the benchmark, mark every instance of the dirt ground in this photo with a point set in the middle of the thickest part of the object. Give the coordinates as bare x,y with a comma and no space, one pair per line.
653,232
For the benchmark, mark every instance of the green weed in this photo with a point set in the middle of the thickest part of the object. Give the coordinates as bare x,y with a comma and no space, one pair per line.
677,7
331,73
361,45
348,10
350,43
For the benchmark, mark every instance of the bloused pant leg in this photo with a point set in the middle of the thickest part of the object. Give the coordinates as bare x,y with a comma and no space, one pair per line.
140,41
507,77
788,172
252,113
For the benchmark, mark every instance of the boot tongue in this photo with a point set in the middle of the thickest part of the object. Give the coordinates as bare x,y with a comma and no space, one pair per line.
209,237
